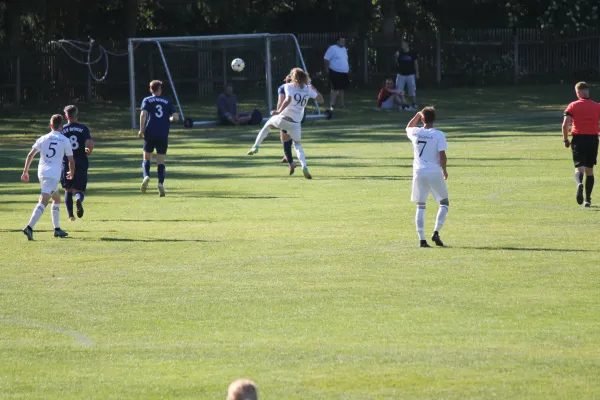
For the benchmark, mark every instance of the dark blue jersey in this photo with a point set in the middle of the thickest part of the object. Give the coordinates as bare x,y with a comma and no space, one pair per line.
159,110
77,134
281,89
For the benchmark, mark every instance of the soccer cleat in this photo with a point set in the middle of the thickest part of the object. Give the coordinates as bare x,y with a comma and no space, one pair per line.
292,168
588,203
284,160
307,174
436,239
253,150
580,194
424,244
28,232
161,190
60,233
145,183
79,206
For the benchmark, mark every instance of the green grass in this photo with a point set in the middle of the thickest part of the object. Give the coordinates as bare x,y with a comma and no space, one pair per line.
314,289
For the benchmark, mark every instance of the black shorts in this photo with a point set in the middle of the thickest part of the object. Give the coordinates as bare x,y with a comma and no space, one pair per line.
585,150
79,181
160,144
339,80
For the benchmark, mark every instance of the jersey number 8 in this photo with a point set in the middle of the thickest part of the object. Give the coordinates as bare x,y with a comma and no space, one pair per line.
300,100
74,142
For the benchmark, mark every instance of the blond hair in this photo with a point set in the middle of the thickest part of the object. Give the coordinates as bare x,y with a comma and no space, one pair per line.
242,389
581,86
155,85
299,77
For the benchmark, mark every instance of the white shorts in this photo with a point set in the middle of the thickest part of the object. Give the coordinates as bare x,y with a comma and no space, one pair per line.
407,80
292,128
49,185
425,182
388,104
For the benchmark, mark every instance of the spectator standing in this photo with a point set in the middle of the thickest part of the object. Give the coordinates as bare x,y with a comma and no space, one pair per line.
408,71
338,69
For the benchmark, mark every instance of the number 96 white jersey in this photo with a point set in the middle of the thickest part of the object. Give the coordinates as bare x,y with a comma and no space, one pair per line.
300,97
53,147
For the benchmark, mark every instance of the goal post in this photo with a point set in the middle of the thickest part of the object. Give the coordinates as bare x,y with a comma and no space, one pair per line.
195,70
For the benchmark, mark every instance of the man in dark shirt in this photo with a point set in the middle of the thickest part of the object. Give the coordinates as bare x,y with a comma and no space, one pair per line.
227,108
408,71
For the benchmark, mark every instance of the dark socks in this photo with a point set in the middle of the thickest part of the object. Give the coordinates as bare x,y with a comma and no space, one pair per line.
581,177
287,150
69,203
79,196
146,168
161,173
589,186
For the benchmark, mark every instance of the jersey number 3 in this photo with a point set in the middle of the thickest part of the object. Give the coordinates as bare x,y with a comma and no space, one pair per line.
159,111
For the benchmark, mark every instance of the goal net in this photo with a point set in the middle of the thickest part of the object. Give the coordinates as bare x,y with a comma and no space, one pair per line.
195,69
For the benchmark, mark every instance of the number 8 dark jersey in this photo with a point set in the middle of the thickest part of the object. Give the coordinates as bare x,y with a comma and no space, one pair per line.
77,134
159,111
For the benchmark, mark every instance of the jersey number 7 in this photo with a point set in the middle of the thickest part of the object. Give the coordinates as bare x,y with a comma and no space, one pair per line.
424,143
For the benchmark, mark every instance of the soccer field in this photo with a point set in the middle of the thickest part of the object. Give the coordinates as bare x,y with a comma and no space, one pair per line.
315,289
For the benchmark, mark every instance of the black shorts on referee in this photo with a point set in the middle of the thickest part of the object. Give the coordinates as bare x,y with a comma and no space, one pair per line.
339,80
585,150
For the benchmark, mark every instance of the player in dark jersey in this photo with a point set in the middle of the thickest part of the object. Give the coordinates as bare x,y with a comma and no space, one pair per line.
83,145
285,139
155,120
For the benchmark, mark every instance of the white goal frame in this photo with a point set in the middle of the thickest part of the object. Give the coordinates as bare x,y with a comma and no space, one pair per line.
132,42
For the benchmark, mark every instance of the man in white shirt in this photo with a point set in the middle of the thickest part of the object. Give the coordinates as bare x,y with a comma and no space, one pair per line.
289,114
337,68
429,171
53,147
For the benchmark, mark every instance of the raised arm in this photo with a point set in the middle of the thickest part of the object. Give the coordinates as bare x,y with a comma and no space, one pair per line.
28,161
413,122
565,130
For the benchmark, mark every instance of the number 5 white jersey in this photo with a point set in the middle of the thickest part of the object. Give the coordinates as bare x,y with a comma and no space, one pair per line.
427,144
300,97
53,147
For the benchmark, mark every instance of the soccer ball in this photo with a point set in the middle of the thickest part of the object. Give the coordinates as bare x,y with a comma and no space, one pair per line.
238,65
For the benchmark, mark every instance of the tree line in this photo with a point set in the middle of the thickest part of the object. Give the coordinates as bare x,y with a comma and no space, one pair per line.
27,22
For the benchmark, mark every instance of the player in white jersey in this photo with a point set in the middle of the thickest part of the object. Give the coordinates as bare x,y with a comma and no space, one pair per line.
53,147
429,171
289,114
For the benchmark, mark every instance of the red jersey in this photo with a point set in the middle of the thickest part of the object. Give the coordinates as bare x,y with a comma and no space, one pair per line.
384,94
585,114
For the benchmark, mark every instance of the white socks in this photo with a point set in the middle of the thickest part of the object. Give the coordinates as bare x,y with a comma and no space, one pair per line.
420,221
441,217
36,215
56,215
300,154
262,135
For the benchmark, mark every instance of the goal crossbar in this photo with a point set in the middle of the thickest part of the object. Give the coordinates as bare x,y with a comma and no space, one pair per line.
132,42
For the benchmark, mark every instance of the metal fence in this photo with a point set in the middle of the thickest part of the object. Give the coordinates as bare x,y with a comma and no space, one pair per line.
453,58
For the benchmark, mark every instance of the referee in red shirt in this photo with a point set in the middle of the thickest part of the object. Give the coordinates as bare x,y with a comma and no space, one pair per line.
584,115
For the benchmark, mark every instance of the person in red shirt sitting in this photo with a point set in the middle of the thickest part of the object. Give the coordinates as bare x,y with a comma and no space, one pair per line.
583,115
390,98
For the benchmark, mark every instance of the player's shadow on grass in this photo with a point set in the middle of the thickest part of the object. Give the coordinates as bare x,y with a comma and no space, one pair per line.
115,239
526,249
149,220
369,178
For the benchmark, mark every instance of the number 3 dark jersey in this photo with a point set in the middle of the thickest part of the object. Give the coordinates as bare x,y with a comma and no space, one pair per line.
159,110
77,134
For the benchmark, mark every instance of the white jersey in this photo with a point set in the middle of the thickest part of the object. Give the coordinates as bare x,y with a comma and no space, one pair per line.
427,144
338,58
53,147
300,97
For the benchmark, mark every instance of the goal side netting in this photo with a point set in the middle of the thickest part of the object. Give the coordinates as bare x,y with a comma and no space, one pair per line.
195,69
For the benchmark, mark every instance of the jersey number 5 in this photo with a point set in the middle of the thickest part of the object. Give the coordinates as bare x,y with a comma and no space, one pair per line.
51,147
424,143
159,111
300,100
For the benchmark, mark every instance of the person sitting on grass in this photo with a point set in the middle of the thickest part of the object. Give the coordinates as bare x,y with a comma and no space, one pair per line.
390,98
227,110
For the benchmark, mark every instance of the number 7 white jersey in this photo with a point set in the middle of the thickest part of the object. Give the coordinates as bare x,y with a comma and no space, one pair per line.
427,144
53,147
300,97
